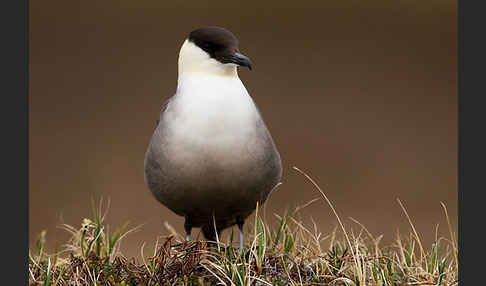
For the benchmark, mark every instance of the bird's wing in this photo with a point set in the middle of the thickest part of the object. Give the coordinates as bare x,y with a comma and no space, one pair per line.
163,109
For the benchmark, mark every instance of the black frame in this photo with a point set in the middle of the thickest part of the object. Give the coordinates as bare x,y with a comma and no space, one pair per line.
15,85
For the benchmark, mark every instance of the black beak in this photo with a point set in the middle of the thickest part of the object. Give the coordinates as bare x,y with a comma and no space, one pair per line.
241,60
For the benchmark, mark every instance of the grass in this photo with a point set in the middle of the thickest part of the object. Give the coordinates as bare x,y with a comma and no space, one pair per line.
290,254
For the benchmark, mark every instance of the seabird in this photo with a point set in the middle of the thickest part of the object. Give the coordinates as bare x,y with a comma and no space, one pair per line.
211,158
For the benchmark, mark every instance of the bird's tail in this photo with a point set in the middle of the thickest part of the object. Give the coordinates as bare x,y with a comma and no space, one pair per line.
209,232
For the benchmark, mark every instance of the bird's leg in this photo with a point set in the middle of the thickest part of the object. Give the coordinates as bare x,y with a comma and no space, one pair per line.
188,227
240,221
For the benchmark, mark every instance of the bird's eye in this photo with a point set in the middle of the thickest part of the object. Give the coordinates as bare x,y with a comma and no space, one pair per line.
213,47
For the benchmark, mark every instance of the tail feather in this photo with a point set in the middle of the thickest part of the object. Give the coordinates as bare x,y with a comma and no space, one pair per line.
209,232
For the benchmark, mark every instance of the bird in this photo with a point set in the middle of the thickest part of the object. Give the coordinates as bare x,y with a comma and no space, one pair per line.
211,158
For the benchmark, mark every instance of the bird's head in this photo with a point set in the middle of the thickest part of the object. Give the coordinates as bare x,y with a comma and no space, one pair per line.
211,50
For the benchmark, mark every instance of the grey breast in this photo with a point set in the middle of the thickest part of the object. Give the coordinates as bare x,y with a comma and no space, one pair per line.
226,193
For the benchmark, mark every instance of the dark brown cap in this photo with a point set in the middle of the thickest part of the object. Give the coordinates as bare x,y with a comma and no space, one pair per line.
220,44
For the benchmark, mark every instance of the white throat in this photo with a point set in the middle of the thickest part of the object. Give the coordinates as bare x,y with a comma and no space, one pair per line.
212,118
193,59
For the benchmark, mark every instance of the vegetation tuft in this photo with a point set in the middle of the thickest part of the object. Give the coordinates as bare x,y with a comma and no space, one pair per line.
290,254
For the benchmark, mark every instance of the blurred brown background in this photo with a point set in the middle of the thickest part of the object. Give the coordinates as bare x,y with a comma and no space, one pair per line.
362,95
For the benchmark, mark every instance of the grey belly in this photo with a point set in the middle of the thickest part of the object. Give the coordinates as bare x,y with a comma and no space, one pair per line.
226,192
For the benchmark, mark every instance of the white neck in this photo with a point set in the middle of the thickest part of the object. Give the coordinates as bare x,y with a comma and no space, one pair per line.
193,59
